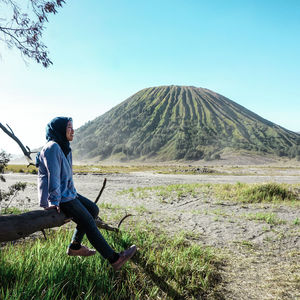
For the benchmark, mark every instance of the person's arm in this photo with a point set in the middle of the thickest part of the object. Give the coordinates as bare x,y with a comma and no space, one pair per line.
53,164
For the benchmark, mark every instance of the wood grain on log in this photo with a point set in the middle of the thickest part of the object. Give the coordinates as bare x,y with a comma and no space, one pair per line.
13,227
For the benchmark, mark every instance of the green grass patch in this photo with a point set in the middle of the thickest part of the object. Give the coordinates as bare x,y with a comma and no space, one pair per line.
269,218
296,221
256,193
241,192
163,268
109,206
21,169
12,211
167,194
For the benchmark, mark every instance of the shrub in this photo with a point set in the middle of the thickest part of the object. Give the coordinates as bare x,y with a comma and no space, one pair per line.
255,193
269,192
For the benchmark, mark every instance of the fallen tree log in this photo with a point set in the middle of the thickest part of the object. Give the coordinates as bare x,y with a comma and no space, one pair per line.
13,227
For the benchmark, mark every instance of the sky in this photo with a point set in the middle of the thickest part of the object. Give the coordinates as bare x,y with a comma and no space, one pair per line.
105,51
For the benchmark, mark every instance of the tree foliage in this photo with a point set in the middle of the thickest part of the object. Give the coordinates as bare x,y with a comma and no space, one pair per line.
13,190
4,159
23,25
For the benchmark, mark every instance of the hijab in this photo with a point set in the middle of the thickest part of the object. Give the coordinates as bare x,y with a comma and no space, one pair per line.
56,131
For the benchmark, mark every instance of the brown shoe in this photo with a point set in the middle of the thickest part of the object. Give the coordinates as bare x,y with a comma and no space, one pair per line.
124,257
83,251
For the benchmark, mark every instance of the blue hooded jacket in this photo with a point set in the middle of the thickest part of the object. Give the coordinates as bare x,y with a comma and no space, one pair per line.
55,177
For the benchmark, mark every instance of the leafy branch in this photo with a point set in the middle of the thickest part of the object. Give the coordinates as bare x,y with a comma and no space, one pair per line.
25,30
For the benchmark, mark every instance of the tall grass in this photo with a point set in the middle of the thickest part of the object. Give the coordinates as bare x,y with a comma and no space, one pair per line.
162,268
256,193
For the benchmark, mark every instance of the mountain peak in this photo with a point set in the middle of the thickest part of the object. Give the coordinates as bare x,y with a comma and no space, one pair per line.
179,122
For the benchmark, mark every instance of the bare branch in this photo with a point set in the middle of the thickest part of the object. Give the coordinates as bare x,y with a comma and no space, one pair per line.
24,150
126,216
44,234
105,226
101,191
10,128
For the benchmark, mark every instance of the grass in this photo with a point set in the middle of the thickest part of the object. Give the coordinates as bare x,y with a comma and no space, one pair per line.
296,221
245,243
162,268
256,193
240,192
165,194
111,169
110,206
12,211
269,218
21,169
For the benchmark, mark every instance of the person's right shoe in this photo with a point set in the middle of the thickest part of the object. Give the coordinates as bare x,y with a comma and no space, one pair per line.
124,257
83,251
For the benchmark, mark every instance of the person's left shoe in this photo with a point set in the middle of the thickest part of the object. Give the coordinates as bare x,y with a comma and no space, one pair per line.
124,256
83,251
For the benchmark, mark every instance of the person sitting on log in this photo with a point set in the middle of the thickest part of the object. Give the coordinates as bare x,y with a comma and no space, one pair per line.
55,185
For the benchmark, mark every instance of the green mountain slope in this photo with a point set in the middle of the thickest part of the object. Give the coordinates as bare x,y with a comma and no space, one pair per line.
180,122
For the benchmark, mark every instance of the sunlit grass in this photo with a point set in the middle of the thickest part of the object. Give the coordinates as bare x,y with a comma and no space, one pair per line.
21,169
166,193
162,268
256,193
269,218
240,192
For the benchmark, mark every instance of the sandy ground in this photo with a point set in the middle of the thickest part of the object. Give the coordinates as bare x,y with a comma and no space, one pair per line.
261,260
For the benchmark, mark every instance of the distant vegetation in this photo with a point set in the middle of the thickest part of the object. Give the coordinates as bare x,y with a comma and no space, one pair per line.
180,123
110,169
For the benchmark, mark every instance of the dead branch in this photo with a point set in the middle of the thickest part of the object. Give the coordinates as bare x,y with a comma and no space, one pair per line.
125,217
27,152
101,191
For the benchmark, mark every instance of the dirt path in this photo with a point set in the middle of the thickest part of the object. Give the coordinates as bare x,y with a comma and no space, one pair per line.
262,256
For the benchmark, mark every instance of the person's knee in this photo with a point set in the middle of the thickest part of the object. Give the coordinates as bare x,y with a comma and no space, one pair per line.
95,211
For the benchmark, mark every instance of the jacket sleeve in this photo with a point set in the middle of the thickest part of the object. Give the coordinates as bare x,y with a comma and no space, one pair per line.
53,162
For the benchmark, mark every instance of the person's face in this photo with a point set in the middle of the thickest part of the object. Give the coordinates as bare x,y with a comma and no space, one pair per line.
70,131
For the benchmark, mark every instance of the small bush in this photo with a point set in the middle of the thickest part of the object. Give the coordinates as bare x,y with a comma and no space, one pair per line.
33,171
269,192
255,193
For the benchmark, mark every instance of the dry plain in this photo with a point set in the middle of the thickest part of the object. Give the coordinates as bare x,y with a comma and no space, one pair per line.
261,257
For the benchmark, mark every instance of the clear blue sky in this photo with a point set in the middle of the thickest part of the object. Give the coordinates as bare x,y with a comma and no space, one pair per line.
105,51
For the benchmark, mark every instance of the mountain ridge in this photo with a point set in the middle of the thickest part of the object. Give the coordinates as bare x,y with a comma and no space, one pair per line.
180,122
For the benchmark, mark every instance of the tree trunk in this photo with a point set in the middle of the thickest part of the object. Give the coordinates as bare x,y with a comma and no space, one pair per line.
13,227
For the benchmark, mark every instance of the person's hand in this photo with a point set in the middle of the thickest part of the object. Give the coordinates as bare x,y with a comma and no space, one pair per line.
53,207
